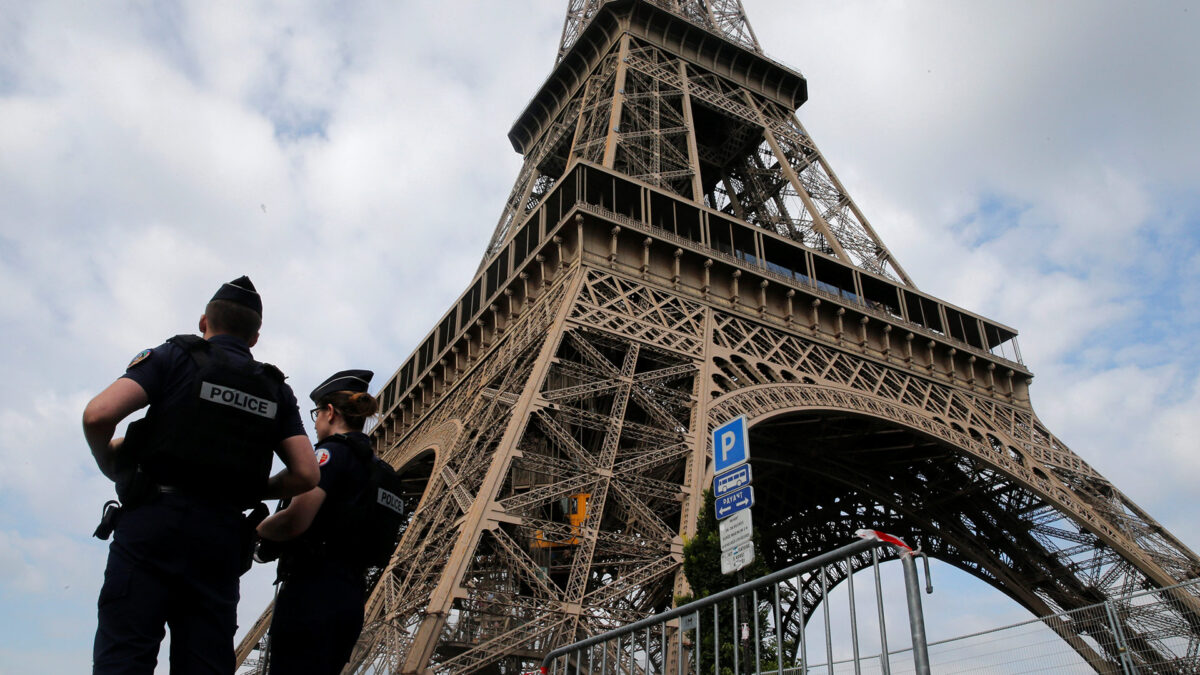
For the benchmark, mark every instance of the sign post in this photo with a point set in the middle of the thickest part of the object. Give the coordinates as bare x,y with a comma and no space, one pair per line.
733,494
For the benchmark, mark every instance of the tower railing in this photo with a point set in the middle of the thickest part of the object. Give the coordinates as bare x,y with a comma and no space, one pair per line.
744,627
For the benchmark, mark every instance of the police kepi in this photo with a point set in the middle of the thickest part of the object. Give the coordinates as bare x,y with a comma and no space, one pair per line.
352,381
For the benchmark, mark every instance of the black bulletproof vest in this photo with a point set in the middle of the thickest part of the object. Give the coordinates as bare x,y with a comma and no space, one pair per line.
364,531
377,516
219,441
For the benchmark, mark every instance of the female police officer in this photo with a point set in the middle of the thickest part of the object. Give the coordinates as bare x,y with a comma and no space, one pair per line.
185,473
319,610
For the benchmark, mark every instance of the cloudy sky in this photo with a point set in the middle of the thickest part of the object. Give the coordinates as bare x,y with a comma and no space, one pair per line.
1036,162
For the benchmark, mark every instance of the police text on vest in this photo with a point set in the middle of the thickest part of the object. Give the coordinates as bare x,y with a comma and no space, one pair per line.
237,399
390,501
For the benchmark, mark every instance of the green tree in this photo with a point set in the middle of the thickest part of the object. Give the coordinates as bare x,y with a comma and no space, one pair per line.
702,567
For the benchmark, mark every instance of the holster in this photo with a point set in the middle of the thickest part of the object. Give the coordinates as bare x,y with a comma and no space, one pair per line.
109,516
134,488
268,551
250,534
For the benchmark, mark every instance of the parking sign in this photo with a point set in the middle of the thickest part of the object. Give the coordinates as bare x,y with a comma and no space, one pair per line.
730,445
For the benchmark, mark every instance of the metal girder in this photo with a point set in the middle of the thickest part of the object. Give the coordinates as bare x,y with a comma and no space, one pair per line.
723,17
548,493
522,562
653,457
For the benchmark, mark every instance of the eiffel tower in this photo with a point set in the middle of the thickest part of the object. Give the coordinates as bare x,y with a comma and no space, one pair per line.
677,252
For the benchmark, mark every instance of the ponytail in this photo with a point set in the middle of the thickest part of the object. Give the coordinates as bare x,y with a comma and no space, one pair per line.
354,407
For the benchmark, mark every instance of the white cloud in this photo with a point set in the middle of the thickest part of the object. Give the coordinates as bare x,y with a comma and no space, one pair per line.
1034,163
45,565
47,466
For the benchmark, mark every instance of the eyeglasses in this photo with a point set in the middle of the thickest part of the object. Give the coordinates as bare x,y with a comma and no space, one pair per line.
314,412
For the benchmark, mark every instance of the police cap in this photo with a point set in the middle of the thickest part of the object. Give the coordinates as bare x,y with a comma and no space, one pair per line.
240,291
343,380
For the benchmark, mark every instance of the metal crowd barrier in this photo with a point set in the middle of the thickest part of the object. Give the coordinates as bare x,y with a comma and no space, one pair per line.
1151,631
672,641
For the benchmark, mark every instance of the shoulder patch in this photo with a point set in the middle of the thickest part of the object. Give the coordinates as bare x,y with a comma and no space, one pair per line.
322,457
141,356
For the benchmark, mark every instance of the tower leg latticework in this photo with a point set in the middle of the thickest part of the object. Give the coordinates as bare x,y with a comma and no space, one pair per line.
676,252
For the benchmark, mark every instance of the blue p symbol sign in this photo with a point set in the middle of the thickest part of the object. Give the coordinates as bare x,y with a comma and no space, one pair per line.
730,446
728,440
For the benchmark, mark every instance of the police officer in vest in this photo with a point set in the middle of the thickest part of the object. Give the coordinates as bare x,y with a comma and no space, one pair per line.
185,474
319,609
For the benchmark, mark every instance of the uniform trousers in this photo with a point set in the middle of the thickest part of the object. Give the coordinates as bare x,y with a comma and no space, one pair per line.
173,561
318,616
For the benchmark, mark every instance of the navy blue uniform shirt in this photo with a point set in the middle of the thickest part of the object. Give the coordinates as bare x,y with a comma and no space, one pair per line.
165,372
343,477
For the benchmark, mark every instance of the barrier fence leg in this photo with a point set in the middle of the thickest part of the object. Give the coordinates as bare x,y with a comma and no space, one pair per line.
916,617
716,640
803,652
825,610
648,664
666,647
757,638
778,635
737,643
1119,638
885,665
853,617
679,651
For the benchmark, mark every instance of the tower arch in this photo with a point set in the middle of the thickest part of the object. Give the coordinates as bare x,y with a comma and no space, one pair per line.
829,461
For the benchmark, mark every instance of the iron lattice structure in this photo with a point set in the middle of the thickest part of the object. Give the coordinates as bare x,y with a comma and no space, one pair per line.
676,252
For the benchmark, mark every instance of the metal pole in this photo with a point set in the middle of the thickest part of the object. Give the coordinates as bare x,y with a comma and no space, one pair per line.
632,652
778,635
648,650
825,607
679,648
757,638
698,648
1119,638
916,617
662,642
803,627
885,665
853,616
737,641
716,640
